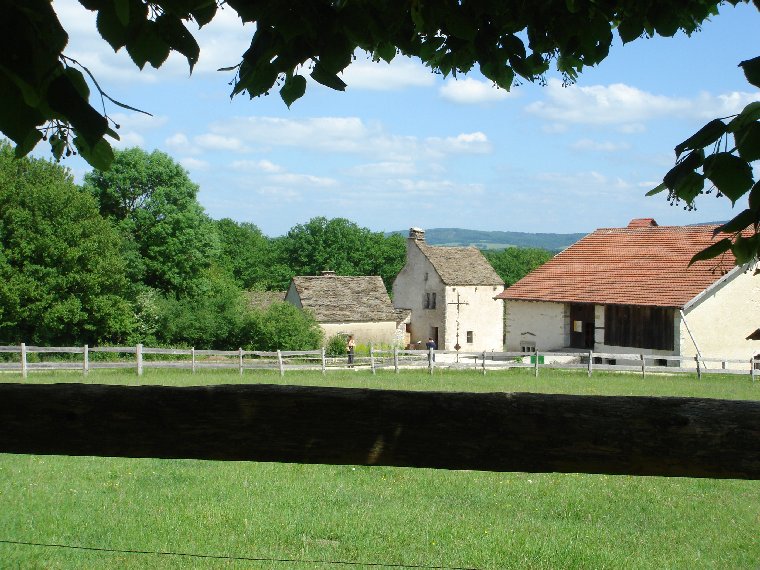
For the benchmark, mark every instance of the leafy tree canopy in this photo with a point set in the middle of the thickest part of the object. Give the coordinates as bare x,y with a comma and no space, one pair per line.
61,273
514,263
169,238
46,94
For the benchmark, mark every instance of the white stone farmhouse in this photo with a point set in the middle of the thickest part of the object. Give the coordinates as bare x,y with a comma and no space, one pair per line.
358,306
450,292
631,290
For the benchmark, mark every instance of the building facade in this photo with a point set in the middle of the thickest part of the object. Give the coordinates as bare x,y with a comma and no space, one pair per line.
450,292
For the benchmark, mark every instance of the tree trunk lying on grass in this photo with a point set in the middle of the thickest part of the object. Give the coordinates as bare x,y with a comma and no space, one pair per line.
687,437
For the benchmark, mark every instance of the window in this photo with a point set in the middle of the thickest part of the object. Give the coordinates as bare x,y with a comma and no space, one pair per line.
429,300
640,327
469,337
432,305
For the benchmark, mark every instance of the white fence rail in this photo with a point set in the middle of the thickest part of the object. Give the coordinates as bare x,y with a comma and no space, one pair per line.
395,358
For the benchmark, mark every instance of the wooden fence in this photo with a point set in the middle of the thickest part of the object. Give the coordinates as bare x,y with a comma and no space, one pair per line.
377,359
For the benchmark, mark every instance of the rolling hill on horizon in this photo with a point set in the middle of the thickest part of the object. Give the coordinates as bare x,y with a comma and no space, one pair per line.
497,239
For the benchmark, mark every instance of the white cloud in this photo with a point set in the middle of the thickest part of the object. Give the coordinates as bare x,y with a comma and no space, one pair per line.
257,166
381,76
384,169
620,104
210,141
597,146
470,91
349,135
132,127
301,180
194,163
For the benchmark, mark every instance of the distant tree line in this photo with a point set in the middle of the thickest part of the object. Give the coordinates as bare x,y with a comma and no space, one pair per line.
130,256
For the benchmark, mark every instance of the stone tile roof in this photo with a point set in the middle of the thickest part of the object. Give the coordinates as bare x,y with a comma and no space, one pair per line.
643,264
337,298
461,265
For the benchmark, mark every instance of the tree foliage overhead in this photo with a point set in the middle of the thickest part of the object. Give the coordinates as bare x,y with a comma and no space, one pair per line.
46,94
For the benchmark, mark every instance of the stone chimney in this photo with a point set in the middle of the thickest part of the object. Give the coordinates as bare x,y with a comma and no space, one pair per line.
417,234
328,273
642,223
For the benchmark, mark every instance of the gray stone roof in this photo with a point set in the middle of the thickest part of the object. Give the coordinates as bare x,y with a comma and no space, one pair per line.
461,265
337,298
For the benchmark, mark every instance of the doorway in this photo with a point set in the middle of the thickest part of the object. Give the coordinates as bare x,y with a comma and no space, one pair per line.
582,326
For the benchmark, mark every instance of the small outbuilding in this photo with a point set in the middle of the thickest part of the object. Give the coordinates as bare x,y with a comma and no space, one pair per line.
358,306
632,291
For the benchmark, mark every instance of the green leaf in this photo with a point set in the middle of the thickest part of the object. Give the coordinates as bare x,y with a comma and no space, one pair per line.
712,251
385,51
748,142
689,186
29,142
293,89
111,29
730,174
754,197
630,29
708,134
100,155
205,13
78,81
689,163
738,223
751,68
657,189
147,46
122,11
749,114
64,99
17,119
176,35
331,80
744,249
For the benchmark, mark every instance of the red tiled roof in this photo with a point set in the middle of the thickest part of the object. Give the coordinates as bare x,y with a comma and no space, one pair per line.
643,264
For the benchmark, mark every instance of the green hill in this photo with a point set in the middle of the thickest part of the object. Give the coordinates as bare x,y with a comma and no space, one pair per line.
497,239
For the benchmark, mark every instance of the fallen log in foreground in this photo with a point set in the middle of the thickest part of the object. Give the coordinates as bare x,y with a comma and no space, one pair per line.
685,437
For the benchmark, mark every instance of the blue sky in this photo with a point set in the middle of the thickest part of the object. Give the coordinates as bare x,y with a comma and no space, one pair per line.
403,147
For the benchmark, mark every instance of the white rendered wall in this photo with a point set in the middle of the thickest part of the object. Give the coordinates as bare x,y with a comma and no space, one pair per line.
721,320
409,290
536,321
482,314
377,333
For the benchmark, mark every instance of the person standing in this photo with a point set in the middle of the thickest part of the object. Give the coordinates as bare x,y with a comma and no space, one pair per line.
430,345
350,347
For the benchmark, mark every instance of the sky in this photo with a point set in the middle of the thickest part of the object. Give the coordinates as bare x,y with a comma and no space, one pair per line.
404,147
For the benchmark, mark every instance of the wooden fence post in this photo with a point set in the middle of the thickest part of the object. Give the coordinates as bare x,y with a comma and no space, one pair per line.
699,369
430,360
324,363
192,357
590,362
279,360
86,360
138,356
372,358
484,363
395,359
535,369
643,367
752,362
24,370
240,360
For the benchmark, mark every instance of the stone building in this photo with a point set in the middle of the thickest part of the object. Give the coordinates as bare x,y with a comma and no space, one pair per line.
450,292
357,306
632,290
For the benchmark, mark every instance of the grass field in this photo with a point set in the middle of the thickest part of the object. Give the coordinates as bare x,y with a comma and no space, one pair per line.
258,515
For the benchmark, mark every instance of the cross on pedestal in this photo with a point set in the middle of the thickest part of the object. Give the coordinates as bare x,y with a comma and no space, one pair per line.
459,304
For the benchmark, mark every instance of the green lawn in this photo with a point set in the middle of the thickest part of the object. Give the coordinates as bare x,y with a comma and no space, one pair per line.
312,516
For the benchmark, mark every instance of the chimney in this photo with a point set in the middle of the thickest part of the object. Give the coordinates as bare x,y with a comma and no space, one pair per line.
328,273
642,223
417,234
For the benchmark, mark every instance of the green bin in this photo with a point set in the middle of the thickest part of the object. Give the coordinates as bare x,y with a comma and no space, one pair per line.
540,359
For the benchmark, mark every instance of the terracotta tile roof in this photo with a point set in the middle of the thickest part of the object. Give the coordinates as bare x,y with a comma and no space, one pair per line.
461,265
343,299
643,264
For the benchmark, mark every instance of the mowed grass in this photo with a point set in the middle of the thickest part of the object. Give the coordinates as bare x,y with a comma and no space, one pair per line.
261,515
